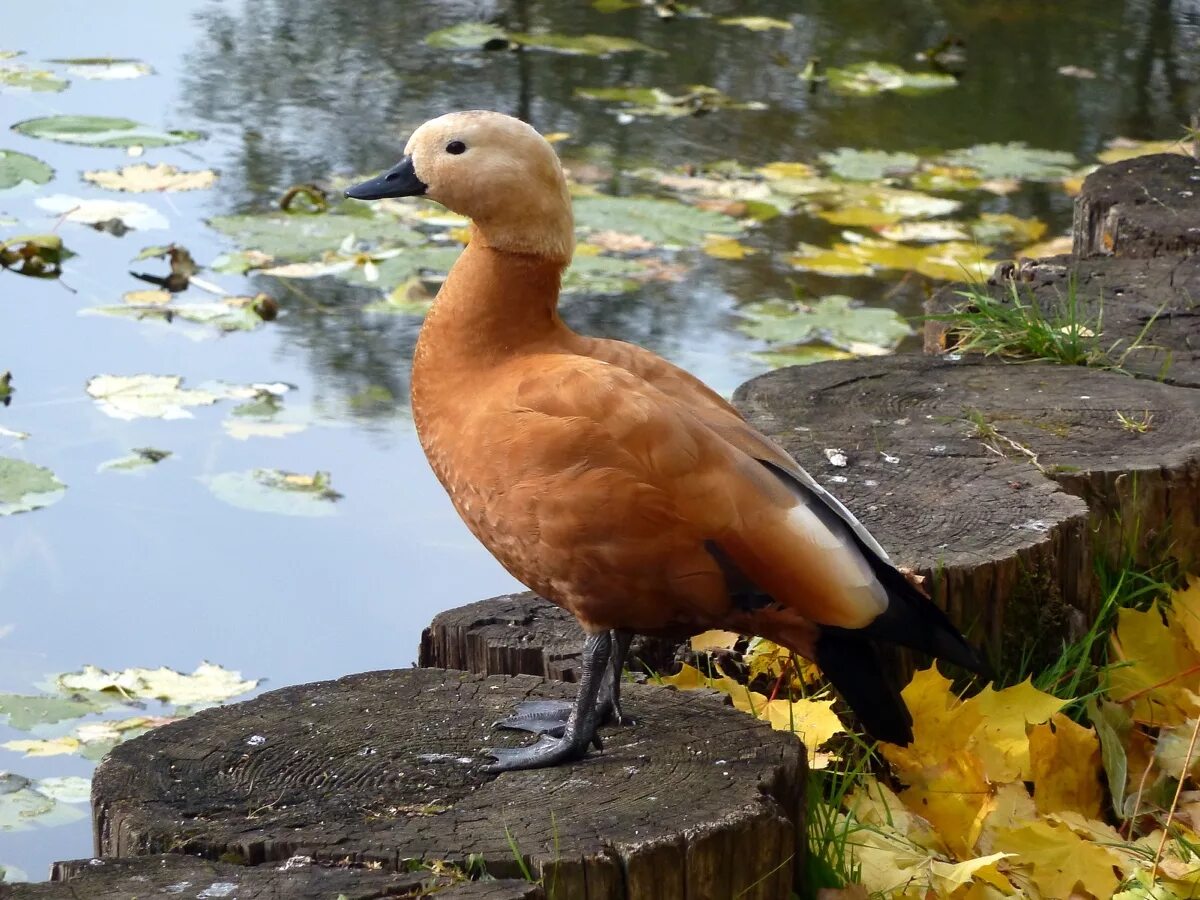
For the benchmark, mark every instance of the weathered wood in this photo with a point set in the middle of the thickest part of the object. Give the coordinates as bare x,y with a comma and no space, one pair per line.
697,800
186,877
1146,310
1147,206
997,481
518,634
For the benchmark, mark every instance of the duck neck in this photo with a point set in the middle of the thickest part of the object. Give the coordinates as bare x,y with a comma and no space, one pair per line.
494,303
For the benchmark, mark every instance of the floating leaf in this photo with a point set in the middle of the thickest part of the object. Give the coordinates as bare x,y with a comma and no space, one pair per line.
598,275
757,23
105,68
95,212
25,487
26,712
273,491
139,458
663,222
23,806
305,237
163,396
101,131
1004,228
142,178
866,78
949,261
468,36
18,168
22,78
868,165
1012,160
802,355
66,788
876,204
208,684
1120,149
726,248
581,45
924,232
836,320
225,315
91,740
698,100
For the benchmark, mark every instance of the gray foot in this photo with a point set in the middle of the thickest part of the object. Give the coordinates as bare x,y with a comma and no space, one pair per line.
539,717
547,751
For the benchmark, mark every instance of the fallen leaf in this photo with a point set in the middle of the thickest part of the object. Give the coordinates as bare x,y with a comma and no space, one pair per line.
105,68
1065,767
1058,860
867,78
143,178
1160,668
16,77
208,684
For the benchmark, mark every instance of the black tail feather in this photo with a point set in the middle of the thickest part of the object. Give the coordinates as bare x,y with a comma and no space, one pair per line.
851,662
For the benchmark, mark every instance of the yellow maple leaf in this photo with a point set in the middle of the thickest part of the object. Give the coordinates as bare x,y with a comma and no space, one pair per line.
1057,860
945,878
1160,668
49,747
1185,611
813,721
1065,763
1001,739
1009,806
714,640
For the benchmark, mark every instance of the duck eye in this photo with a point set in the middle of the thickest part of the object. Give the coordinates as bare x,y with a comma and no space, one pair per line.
456,147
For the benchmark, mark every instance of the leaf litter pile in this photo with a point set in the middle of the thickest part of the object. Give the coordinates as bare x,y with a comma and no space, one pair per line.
1013,792
1065,791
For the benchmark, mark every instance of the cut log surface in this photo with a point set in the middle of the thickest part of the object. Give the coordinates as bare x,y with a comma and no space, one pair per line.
1146,310
188,877
990,478
518,634
1147,206
696,800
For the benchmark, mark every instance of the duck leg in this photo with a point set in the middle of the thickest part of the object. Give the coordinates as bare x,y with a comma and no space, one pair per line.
550,716
580,728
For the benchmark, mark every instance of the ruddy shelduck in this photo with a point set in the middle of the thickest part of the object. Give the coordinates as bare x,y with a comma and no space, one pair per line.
614,483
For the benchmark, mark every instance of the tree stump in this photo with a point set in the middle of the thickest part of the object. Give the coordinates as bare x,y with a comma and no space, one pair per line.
1142,207
518,634
187,877
383,769
998,482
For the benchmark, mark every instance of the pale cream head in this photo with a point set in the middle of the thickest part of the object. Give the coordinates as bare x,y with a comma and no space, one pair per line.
508,180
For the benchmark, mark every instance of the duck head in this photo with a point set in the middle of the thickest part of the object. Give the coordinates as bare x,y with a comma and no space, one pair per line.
492,168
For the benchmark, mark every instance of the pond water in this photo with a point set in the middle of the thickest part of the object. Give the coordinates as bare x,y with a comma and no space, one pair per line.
151,568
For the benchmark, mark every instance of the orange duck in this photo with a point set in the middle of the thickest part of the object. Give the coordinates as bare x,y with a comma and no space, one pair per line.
612,482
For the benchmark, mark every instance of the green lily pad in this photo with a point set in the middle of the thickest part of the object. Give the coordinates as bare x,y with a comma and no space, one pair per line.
803,355
223,316
699,99
24,806
601,275
836,320
582,44
102,131
137,459
105,68
1005,228
27,712
273,491
665,223
19,168
23,78
868,165
303,237
1012,160
468,36
867,78
874,204
25,487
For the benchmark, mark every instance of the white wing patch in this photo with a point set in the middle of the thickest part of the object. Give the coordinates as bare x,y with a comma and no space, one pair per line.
848,567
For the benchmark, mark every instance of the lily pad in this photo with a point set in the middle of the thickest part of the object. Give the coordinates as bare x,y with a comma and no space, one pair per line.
1013,160
757,23
23,805
102,131
305,237
873,204
142,178
23,78
582,44
208,684
468,36
946,261
867,78
598,275
91,740
666,223
868,165
699,99
25,487
26,712
274,491
803,355
836,320
163,396
1120,149
18,168
136,460
221,316
105,68
131,214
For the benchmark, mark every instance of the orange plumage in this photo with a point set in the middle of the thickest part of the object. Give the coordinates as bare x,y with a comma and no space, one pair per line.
607,479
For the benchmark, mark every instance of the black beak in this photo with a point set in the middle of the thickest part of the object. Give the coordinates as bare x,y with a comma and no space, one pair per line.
399,181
